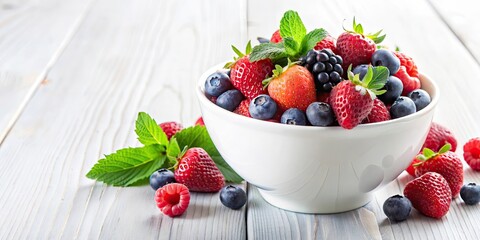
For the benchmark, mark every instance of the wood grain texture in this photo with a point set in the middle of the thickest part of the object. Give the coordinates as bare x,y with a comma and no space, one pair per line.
32,35
127,56
424,36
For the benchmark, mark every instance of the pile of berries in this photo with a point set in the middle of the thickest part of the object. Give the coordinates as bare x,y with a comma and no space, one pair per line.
345,81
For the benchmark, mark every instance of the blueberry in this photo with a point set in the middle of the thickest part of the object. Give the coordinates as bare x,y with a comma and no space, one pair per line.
320,114
386,58
217,83
402,107
420,97
233,197
263,40
394,87
470,193
397,208
262,107
294,116
161,178
230,99
361,69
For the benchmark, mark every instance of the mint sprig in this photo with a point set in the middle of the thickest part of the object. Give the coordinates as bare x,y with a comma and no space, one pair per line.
296,41
132,166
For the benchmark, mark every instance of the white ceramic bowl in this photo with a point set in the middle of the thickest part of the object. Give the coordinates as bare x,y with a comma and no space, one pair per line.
316,169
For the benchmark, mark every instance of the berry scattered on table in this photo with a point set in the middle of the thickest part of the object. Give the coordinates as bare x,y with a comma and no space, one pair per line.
161,178
386,58
445,163
217,83
294,116
438,136
420,97
402,107
411,168
470,193
379,112
326,68
172,199
170,128
320,114
397,208
198,172
262,107
471,153
233,197
429,194
394,88
230,99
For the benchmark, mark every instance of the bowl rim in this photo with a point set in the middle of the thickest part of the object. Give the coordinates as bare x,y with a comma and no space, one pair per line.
203,100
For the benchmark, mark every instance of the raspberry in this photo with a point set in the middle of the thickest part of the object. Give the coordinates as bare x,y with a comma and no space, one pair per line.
408,63
172,199
327,42
242,109
471,153
409,83
170,128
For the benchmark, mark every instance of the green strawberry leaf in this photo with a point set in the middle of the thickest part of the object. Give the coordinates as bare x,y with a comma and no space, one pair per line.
311,39
148,131
428,153
379,77
292,26
197,136
291,47
274,51
238,52
445,148
173,151
248,49
128,166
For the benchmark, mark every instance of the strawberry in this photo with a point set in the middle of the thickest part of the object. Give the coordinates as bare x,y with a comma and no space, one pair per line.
355,47
242,109
327,42
352,100
291,87
247,76
409,83
429,194
199,122
170,128
198,172
446,163
379,112
411,169
172,199
408,63
471,153
276,38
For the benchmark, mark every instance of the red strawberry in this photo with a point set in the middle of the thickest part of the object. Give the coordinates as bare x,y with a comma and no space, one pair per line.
198,172
411,169
242,109
170,128
247,76
446,163
352,100
355,47
409,83
471,153
172,199
276,38
379,112
292,87
429,194
327,42
438,136
408,63
199,122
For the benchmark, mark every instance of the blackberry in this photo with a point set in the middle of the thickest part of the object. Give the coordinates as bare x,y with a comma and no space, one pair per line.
326,68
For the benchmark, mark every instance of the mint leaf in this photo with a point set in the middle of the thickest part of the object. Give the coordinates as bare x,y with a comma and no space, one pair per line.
173,151
274,51
197,136
379,78
291,47
128,166
311,39
292,26
148,131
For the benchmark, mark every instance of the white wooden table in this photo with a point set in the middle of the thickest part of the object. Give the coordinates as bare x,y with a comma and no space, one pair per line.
74,74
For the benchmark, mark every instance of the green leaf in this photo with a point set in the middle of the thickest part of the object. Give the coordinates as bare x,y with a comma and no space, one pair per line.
311,39
274,51
248,49
128,166
173,151
421,158
445,148
148,131
292,26
428,153
379,78
291,47
197,136
238,52
368,76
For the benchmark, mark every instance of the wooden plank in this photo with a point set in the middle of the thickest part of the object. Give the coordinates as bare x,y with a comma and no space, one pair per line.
462,18
32,34
127,56
423,35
